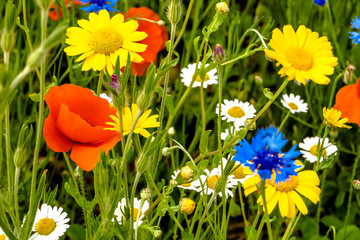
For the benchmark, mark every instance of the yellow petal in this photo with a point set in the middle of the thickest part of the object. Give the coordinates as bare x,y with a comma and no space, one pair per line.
308,193
298,202
283,204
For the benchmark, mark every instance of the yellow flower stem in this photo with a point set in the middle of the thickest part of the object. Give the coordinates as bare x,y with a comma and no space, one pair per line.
291,227
100,82
236,138
242,205
266,214
323,179
258,213
283,122
259,230
320,148
351,191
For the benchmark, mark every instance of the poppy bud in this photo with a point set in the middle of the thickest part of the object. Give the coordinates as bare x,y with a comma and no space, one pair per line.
174,11
187,206
219,55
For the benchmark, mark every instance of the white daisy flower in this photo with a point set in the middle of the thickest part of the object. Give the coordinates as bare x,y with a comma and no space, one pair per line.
105,96
120,211
209,180
236,111
310,147
2,235
186,184
294,103
50,223
188,72
239,171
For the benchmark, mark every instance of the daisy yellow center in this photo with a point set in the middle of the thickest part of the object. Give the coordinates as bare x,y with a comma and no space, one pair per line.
236,112
313,150
186,184
45,226
198,78
211,181
136,211
299,58
239,172
2,237
293,106
288,185
106,41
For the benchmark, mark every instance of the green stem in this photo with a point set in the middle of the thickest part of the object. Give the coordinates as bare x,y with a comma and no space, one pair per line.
261,225
255,221
16,200
323,178
100,82
203,114
136,181
350,193
67,160
188,12
267,218
242,205
283,122
333,89
87,213
9,162
213,196
320,148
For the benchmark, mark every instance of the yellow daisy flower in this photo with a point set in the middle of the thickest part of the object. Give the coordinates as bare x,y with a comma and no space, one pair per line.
286,194
128,119
332,118
302,54
101,39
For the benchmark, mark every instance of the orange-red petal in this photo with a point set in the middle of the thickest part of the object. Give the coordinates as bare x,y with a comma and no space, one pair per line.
87,155
55,140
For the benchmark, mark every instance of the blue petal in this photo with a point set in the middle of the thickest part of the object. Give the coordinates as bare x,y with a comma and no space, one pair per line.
355,23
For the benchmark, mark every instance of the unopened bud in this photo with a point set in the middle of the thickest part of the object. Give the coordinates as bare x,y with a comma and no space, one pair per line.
186,173
334,133
44,4
219,55
173,183
157,233
348,73
115,84
77,172
174,11
171,131
160,23
145,194
187,206
258,80
356,184
222,8
165,151
252,127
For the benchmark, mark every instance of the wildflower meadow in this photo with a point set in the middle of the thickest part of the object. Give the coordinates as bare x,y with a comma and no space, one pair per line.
176,119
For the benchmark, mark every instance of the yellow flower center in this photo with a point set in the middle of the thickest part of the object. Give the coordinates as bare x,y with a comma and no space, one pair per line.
236,112
2,237
186,184
45,226
293,106
211,181
299,58
239,172
288,185
198,78
106,41
313,150
136,211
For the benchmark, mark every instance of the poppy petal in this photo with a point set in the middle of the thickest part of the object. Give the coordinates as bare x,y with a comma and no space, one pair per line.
55,140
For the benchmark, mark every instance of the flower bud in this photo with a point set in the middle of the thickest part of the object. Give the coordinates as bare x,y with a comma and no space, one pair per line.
186,173
173,183
174,11
157,233
165,151
334,133
219,55
258,80
171,131
187,206
222,8
160,23
349,73
44,4
24,142
356,184
77,172
145,194
115,84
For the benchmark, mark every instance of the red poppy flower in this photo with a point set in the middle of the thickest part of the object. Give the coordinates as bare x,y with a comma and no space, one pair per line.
53,14
76,121
157,36
348,102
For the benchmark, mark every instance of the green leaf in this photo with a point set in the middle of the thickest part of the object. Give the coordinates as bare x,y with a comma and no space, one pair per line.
196,45
268,94
307,228
340,198
204,142
352,233
76,232
187,236
332,221
247,231
234,208
170,104
35,97
71,189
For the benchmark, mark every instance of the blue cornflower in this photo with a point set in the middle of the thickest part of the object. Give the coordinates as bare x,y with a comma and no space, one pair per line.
319,2
355,36
264,156
97,5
